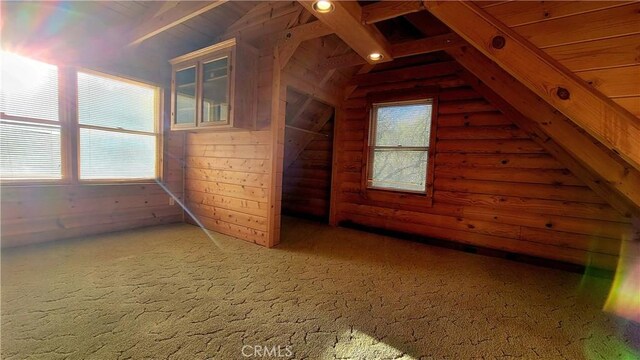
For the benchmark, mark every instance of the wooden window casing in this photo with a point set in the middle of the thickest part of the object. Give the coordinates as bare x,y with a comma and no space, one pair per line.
70,130
157,130
392,195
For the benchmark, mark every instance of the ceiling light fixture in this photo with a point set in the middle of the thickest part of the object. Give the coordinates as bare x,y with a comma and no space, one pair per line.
375,56
323,6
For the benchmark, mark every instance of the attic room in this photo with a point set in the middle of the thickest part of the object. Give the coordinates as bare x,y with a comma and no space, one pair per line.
320,179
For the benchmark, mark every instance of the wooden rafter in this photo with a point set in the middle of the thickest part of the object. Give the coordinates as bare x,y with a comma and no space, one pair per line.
427,45
289,40
308,136
345,20
607,175
608,122
167,15
400,50
384,10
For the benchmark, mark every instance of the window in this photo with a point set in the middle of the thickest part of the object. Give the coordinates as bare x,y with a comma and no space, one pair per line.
399,145
114,133
117,128
30,127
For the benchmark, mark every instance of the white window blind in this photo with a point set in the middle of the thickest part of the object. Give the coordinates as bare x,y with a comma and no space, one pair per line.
117,120
30,146
399,145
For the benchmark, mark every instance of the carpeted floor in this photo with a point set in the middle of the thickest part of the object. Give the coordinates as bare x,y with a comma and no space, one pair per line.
324,293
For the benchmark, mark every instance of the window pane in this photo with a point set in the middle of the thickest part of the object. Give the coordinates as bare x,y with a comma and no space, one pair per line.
402,170
406,125
29,88
29,151
113,155
186,96
107,102
215,95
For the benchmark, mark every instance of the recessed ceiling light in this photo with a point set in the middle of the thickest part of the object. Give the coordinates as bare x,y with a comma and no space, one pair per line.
323,6
375,56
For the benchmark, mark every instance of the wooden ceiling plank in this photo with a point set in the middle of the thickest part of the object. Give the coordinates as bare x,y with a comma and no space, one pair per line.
617,21
612,170
385,10
608,122
167,16
615,82
516,13
598,54
345,20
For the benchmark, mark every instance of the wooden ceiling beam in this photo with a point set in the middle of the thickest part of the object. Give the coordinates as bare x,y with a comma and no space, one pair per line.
427,45
608,122
385,10
288,41
400,50
610,176
345,20
167,15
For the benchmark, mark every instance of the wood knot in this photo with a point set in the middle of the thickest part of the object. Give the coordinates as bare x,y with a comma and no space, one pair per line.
498,42
563,93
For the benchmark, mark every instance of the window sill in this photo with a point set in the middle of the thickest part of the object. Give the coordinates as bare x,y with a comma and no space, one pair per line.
62,183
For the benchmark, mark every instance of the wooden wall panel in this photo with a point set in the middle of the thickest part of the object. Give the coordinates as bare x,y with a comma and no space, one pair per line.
227,182
306,189
494,187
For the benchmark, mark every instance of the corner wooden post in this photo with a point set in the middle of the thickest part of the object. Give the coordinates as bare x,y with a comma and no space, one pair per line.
278,112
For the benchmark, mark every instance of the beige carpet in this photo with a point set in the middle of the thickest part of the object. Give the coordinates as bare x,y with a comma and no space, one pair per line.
169,292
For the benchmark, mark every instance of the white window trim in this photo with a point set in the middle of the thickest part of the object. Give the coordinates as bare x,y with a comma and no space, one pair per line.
372,146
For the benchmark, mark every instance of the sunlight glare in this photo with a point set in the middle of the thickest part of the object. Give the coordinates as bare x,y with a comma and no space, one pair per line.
30,76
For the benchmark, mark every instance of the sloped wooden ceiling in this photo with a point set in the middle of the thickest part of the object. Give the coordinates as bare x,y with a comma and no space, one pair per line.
590,46
100,32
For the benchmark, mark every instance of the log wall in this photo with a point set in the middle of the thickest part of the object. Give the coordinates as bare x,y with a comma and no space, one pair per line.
306,188
494,186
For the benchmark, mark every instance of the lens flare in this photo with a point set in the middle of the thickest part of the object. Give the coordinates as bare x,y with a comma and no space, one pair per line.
624,296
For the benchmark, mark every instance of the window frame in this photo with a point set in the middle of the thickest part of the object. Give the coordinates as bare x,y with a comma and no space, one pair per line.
63,122
68,121
157,129
416,198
